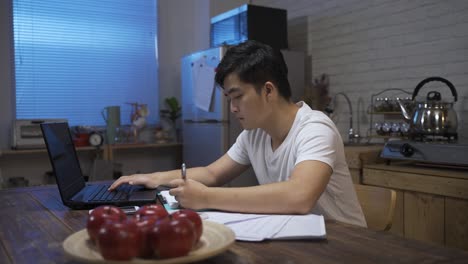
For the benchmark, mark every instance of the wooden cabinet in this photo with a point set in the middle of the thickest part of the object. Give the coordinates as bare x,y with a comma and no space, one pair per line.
456,222
432,203
358,155
423,216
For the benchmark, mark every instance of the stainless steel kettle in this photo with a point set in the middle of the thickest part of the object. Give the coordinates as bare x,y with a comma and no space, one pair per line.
432,117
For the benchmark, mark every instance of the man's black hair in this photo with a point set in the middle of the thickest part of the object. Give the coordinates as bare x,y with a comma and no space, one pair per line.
255,63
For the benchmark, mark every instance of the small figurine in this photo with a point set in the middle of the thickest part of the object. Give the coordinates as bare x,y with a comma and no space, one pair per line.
139,114
138,117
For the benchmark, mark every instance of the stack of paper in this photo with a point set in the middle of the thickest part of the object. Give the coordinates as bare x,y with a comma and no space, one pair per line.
258,227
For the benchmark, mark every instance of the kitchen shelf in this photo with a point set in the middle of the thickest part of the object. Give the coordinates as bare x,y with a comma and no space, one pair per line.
386,115
106,149
387,136
33,151
143,145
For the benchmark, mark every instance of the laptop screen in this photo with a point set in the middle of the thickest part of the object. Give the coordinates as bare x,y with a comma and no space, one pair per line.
63,158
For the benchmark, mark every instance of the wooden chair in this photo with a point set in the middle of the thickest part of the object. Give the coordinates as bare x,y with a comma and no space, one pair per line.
378,205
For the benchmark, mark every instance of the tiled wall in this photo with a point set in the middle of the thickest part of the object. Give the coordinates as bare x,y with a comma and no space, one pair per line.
367,46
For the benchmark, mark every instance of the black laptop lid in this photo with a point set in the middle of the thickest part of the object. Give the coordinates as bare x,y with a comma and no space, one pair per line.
63,158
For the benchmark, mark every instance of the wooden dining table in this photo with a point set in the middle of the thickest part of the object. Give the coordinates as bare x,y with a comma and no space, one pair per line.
34,223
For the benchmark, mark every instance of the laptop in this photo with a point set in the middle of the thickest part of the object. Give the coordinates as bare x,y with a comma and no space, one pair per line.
74,191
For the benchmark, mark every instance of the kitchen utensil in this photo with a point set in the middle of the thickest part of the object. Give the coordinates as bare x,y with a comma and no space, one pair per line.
433,116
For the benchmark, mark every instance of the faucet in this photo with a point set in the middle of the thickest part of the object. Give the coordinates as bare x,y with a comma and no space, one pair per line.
352,136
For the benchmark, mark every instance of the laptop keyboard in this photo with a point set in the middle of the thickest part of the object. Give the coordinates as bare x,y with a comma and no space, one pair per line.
102,194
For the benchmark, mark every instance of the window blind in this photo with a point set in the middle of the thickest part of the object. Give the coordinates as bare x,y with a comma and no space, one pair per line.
73,58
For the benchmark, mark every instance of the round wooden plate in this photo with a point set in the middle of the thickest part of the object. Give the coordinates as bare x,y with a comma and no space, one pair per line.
215,239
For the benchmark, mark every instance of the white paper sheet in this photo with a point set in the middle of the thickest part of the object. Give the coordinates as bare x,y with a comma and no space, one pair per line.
231,218
170,200
203,84
303,226
259,229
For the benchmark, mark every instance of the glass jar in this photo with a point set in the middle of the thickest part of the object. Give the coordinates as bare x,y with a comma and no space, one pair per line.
404,128
395,127
386,127
387,106
378,104
378,128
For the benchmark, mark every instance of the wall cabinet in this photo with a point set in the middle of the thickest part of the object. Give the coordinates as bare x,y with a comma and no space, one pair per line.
432,203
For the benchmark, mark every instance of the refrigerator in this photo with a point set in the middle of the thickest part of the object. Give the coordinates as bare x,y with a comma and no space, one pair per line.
208,127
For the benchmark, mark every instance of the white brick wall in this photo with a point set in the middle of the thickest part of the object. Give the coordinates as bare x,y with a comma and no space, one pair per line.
370,45
1,179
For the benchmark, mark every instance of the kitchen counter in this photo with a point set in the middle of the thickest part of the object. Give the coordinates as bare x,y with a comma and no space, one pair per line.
405,176
432,203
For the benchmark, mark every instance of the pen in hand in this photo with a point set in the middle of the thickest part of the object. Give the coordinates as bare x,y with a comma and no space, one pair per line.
184,172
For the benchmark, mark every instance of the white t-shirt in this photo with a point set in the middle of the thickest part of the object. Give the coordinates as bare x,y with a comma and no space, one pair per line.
313,136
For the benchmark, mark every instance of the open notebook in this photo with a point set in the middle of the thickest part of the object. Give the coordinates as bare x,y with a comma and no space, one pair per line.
258,227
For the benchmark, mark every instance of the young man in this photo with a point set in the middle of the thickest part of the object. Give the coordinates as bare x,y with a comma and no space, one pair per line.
297,153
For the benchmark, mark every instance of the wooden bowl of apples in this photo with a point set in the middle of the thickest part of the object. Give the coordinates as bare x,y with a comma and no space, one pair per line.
152,235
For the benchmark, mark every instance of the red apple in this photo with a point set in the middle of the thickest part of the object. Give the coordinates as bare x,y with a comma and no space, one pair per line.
172,237
119,240
152,210
99,216
145,225
194,218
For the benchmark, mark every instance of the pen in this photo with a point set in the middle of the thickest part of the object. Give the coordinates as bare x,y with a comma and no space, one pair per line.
184,172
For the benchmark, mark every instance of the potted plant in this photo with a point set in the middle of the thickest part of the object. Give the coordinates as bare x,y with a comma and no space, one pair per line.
172,113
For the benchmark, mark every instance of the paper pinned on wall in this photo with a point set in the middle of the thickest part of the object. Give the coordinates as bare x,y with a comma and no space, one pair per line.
203,84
